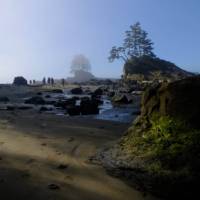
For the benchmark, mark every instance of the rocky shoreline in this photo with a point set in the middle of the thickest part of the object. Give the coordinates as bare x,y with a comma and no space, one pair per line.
168,166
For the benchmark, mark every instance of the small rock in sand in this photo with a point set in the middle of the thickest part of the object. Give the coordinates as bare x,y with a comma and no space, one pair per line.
25,175
30,161
70,139
53,186
62,166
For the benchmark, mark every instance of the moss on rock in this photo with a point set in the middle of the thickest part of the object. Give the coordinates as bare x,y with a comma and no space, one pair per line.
161,150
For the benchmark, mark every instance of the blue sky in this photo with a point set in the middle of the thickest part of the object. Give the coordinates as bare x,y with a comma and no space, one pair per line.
40,37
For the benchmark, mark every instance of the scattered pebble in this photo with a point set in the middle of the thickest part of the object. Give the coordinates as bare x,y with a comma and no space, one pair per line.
30,161
44,144
70,139
62,166
68,177
53,186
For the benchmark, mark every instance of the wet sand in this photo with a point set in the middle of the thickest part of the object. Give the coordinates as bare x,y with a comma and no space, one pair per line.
46,157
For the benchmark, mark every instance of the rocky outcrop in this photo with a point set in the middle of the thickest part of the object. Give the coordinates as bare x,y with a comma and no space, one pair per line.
20,81
147,68
160,152
178,100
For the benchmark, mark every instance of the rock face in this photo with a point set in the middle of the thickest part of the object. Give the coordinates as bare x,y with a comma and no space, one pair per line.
179,99
19,81
160,151
153,68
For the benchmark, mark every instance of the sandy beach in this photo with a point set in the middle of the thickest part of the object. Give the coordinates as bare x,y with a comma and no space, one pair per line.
46,157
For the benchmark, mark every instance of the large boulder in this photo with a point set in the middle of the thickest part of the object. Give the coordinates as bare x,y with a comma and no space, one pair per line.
160,152
64,104
120,99
55,91
89,107
77,90
20,81
179,99
98,92
73,110
37,100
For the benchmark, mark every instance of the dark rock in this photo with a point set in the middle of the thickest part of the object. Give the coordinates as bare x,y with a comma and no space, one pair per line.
62,166
71,139
10,108
65,103
39,93
97,101
4,99
89,107
19,81
53,186
47,96
77,91
73,110
98,92
57,91
50,102
85,98
24,107
111,94
44,109
35,100
120,99
179,99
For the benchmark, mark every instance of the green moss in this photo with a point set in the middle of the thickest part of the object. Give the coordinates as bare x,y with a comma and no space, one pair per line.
169,144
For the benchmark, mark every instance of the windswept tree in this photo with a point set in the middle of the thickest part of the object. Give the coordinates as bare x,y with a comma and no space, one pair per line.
80,63
136,44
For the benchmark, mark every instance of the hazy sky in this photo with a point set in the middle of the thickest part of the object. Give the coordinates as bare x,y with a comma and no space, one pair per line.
40,37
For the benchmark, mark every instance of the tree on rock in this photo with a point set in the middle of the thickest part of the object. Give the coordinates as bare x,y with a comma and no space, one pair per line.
80,63
136,44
